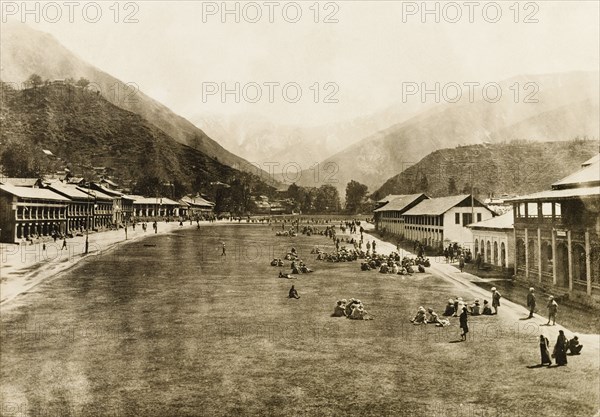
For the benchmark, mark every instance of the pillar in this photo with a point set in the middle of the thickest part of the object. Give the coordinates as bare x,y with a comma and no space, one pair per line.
570,258
588,262
539,251
526,253
554,278
516,255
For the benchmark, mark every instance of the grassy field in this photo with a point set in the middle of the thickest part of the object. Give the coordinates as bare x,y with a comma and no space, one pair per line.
176,330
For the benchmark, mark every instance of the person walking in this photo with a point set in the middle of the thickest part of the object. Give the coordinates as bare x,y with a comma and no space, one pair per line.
544,351
552,310
223,249
463,324
560,349
64,245
531,302
495,299
461,263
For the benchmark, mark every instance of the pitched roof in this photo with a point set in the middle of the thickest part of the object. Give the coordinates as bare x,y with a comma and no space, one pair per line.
504,221
20,182
564,194
32,193
436,206
138,199
197,201
98,195
70,190
389,198
588,175
592,160
400,202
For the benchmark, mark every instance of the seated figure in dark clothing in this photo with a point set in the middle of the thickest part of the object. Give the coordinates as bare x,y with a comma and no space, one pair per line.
574,346
449,311
293,293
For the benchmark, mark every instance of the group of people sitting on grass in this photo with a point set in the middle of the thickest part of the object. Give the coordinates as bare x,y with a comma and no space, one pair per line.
297,266
392,264
429,316
353,309
455,306
290,233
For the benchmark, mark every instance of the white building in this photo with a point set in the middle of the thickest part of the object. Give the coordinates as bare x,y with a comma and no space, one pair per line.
440,221
493,239
389,216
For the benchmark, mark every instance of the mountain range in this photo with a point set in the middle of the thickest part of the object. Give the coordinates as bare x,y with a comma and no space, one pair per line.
491,170
26,51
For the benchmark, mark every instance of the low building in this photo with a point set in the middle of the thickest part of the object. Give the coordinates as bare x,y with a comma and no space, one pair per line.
493,238
146,208
557,234
440,221
80,211
198,207
103,208
27,212
389,217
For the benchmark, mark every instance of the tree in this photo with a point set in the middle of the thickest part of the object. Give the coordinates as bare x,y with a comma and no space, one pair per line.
327,199
452,190
82,82
19,160
423,184
35,80
355,195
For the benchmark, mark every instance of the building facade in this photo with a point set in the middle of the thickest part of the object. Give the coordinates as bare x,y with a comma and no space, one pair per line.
438,222
31,212
389,217
493,239
557,235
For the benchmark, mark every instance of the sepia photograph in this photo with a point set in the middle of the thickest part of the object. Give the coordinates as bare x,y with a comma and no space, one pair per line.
312,208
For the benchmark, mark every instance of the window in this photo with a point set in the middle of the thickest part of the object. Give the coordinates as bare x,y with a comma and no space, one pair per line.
532,210
457,218
478,217
467,218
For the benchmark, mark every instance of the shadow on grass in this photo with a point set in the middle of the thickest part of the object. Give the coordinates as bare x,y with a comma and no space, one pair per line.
540,366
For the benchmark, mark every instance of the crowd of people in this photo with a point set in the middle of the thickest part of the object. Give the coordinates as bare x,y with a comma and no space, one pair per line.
297,266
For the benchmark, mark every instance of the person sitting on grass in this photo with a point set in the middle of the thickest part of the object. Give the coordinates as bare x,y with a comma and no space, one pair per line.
419,317
475,308
293,293
282,275
449,311
433,317
384,269
421,268
339,310
574,346
487,310
359,312
458,306
350,306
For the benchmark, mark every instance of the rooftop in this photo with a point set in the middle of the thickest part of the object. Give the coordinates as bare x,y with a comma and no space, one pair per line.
436,206
563,194
20,182
70,190
399,202
504,221
587,176
32,193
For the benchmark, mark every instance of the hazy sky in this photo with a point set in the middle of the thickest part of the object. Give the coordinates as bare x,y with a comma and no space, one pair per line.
175,50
